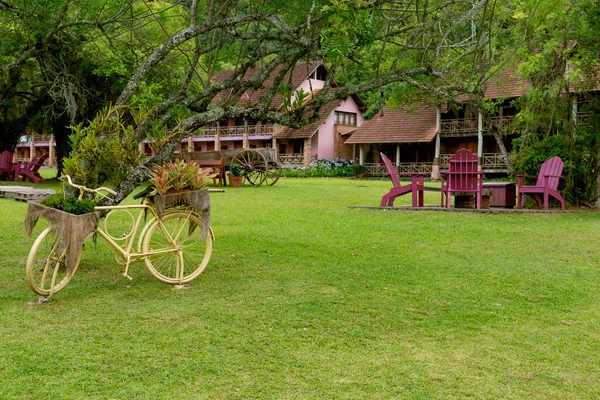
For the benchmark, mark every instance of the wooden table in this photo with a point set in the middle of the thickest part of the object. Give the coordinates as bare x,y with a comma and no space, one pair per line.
504,194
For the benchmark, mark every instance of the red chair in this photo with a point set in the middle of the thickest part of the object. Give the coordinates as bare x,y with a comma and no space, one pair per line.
546,185
415,187
463,176
6,164
30,170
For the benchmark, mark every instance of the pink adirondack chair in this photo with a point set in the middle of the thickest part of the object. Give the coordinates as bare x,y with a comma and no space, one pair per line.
463,176
6,164
415,187
30,170
546,185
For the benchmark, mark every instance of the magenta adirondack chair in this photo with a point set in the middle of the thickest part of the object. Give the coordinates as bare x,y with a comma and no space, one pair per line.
415,187
463,176
546,185
30,170
6,164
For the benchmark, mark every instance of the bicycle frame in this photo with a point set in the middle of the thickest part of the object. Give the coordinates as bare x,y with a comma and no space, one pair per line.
129,236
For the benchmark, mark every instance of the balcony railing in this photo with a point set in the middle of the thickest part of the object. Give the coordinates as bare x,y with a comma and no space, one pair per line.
295,159
468,127
403,168
240,130
583,118
489,161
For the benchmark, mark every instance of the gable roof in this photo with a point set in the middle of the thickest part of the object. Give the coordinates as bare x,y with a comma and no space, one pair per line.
300,72
398,126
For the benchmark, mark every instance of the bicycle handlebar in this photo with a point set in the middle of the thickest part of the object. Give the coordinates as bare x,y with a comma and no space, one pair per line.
86,189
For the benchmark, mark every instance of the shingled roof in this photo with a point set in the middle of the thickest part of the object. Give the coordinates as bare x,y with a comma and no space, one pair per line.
309,130
398,126
507,85
300,72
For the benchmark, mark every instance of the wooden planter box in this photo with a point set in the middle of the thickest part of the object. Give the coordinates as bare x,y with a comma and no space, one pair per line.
504,194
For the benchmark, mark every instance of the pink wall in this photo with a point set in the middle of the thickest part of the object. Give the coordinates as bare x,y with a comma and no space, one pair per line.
309,84
325,145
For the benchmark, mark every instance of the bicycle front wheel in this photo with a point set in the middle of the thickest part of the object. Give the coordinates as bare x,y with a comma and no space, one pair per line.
173,254
46,268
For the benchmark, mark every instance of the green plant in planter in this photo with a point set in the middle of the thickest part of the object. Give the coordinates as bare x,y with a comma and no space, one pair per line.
179,176
70,203
235,170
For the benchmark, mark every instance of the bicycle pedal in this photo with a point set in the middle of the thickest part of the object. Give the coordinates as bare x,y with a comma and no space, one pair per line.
127,276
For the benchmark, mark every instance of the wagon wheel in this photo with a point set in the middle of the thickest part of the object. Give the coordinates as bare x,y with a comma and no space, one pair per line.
273,173
254,165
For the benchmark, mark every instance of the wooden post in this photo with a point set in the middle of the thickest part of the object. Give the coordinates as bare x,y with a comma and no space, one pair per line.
435,168
218,138
245,144
479,137
51,160
32,147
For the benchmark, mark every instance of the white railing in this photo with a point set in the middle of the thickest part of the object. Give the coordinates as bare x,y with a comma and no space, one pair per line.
296,159
239,130
403,168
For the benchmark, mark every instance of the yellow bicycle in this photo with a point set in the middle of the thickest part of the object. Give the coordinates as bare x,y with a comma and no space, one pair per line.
173,248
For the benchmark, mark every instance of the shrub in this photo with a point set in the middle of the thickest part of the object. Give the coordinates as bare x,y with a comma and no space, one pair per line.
235,170
325,168
70,203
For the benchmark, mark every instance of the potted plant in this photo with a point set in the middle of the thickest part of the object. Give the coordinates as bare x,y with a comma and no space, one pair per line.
181,184
235,175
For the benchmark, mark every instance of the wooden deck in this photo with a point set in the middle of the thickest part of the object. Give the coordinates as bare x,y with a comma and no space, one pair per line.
492,210
24,193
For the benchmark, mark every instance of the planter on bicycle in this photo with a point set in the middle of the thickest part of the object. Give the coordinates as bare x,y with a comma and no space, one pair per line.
55,255
197,200
167,243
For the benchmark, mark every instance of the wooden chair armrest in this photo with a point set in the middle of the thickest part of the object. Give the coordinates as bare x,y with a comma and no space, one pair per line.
553,176
526,176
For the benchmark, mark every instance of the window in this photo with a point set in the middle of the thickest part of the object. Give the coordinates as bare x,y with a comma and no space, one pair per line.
345,118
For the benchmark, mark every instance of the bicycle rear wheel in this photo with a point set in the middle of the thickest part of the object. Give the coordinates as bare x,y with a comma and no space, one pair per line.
46,268
173,254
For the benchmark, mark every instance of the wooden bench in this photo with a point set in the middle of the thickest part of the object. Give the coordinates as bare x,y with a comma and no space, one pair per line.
218,167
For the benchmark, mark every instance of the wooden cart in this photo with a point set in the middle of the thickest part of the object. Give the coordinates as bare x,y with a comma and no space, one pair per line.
259,165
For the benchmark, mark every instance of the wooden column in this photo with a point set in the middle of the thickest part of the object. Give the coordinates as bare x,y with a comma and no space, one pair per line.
435,168
51,161
218,138
397,154
480,138
245,144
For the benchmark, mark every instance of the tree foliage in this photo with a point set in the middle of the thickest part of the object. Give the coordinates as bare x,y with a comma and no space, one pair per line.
68,59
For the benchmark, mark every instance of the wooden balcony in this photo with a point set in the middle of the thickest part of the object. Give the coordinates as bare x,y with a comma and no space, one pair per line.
403,168
468,127
239,130
490,162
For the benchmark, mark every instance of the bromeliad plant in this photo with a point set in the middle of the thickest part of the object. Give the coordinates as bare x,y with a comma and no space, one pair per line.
179,176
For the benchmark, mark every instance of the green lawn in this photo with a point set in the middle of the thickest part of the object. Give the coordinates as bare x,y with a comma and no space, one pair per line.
305,298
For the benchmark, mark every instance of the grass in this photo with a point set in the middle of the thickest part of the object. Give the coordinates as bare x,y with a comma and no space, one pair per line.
306,298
